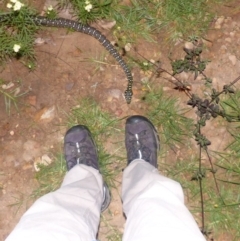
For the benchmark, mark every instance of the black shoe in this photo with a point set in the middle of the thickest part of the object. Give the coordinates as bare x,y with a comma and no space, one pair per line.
80,148
141,140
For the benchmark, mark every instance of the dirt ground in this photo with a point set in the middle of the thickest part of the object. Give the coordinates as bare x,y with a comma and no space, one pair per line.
65,74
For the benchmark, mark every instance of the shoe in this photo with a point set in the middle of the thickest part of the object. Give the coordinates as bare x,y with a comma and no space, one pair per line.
80,148
141,140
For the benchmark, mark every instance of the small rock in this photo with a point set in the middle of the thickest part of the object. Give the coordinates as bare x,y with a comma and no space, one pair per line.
44,160
11,133
233,59
128,47
8,86
219,22
166,89
107,24
228,40
32,100
189,45
39,41
45,114
116,212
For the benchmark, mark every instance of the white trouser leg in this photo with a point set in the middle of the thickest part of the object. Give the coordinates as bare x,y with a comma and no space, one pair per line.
154,206
70,213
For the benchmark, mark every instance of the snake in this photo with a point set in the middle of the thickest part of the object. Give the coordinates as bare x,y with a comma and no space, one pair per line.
86,29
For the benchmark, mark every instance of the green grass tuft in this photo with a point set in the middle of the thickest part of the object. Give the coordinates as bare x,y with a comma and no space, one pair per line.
102,126
171,123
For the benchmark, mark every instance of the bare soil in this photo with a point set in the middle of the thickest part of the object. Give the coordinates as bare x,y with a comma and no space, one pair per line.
65,74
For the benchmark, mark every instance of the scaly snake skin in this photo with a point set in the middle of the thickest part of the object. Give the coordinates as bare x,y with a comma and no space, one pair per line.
79,27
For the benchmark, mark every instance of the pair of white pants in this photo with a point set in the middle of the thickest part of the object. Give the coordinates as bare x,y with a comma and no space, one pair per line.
153,204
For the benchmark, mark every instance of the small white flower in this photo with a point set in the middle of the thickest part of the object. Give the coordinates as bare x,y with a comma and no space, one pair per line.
50,8
16,48
17,6
9,5
87,2
13,1
88,7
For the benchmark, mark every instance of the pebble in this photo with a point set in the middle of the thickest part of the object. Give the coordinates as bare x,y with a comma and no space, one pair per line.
128,47
43,160
116,212
189,45
167,88
45,114
7,86
219,22
32,100
107,24
233,59
39,41
228,40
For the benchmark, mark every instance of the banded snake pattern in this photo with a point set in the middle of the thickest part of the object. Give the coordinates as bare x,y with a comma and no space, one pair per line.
80,27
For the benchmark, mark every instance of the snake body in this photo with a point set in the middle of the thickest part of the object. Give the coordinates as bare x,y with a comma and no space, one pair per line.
79,27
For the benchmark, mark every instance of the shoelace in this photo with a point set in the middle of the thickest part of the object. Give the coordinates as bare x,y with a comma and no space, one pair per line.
138,148
79,151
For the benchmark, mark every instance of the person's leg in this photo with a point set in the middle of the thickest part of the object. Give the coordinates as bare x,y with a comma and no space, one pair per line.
153,204
73,211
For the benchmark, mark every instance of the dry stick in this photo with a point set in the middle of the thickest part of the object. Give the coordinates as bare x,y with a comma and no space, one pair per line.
231,83
159,70
215,180
200,184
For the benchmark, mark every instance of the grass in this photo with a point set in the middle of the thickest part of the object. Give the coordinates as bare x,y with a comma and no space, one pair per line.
221,210
10,95
17,33
220,218
144,18
101,125
50,177
171,123
98,62
113,233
